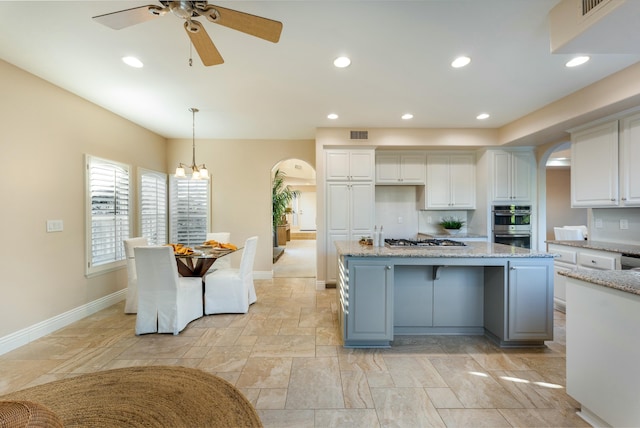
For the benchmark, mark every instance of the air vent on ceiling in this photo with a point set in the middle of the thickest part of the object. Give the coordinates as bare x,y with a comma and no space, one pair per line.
588,5
359,135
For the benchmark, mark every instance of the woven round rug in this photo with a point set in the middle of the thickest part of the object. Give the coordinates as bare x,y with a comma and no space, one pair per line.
154,396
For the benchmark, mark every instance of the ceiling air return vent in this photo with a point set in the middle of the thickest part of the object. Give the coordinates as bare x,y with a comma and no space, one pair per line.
359,135
588,5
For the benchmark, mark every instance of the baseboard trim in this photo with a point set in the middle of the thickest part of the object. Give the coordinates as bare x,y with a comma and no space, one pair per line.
26,335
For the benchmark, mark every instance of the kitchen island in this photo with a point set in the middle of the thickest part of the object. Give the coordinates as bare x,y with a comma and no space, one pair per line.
503,292
603,351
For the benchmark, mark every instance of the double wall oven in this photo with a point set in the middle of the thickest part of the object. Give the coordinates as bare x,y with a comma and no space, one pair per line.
511,225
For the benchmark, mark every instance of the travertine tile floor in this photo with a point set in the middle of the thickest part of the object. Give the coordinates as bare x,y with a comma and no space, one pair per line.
285,356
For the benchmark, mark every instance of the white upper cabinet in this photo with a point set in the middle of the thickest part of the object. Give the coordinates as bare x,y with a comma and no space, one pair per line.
594,166
630,161
400,168
604,164
451,181
512,175
350,165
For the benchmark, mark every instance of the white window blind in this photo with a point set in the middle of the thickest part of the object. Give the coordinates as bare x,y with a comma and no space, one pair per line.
189,211
108,187
153,206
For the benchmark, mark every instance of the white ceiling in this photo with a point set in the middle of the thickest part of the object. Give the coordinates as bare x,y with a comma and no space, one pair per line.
401,51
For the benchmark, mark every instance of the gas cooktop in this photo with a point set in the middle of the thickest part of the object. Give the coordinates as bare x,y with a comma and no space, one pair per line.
393,243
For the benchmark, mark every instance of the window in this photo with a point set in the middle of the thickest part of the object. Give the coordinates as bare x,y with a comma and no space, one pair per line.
153,206
109,215
189,213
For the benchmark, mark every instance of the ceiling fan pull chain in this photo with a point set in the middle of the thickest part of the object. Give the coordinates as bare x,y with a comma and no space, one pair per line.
190,54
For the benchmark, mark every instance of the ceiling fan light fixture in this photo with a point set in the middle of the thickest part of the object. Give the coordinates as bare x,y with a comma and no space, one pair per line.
342,62
132,61
483,116
198,172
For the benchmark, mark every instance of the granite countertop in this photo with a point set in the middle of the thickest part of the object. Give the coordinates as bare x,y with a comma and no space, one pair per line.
472,249
602,246
623,280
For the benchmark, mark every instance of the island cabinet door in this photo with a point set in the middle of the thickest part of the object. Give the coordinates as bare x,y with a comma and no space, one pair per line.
370,316
530,299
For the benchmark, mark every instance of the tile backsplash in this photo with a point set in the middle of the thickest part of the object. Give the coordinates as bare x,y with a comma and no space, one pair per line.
605,225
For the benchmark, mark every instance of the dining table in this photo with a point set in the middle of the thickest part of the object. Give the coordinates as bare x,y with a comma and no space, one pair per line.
199,262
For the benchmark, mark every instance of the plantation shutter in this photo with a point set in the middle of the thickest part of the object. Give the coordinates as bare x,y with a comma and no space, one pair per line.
153,207
189,211
109,199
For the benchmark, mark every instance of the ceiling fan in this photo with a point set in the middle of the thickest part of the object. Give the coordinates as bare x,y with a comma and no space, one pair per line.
257,26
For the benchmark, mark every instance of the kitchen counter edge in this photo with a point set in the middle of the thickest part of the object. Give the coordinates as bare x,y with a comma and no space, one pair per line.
613,247
623,280
472,249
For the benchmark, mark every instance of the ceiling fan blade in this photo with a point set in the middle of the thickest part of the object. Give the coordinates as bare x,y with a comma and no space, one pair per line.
257,26
202,42
125,18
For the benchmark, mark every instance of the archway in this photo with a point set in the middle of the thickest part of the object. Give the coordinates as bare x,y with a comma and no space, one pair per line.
554,196
295,254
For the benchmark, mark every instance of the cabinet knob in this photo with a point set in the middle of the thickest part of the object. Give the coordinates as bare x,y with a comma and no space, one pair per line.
513,268
613,200
387,267
624,199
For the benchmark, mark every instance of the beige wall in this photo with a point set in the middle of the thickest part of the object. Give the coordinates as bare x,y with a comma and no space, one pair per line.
44,134
241,185
559,211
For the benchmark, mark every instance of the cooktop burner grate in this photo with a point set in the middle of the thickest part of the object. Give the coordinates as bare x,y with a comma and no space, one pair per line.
423,243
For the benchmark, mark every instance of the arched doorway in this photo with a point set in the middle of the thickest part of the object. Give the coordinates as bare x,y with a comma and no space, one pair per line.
295,254
555,193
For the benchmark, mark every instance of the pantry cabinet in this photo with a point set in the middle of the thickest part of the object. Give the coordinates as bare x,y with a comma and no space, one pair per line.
350,165
512,176
400,168
451,181
350,216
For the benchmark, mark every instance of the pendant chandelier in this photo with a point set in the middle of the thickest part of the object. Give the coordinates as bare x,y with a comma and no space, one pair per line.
197,171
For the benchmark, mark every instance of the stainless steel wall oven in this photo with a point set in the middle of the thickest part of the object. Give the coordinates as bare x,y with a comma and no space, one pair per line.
511,225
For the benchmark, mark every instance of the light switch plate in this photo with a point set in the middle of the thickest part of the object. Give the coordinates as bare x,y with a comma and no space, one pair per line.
624,224
55,225
599,223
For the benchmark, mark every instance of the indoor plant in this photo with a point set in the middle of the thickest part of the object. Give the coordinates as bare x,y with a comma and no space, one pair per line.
281,195
452,223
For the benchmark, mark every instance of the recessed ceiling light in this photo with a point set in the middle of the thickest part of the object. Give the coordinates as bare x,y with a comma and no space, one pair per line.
461,61
579,60
132,61
407,116
342,62
482,116
332,116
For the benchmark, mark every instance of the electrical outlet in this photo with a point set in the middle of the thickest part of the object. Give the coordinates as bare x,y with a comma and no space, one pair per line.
429,219
598,223
624,224
400,220
55,225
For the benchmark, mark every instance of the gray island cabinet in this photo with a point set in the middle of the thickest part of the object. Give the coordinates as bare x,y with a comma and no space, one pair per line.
503,292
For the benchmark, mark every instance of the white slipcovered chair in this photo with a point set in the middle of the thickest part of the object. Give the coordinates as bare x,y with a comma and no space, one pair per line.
563,234
166,302
231,290
131,304
225,261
